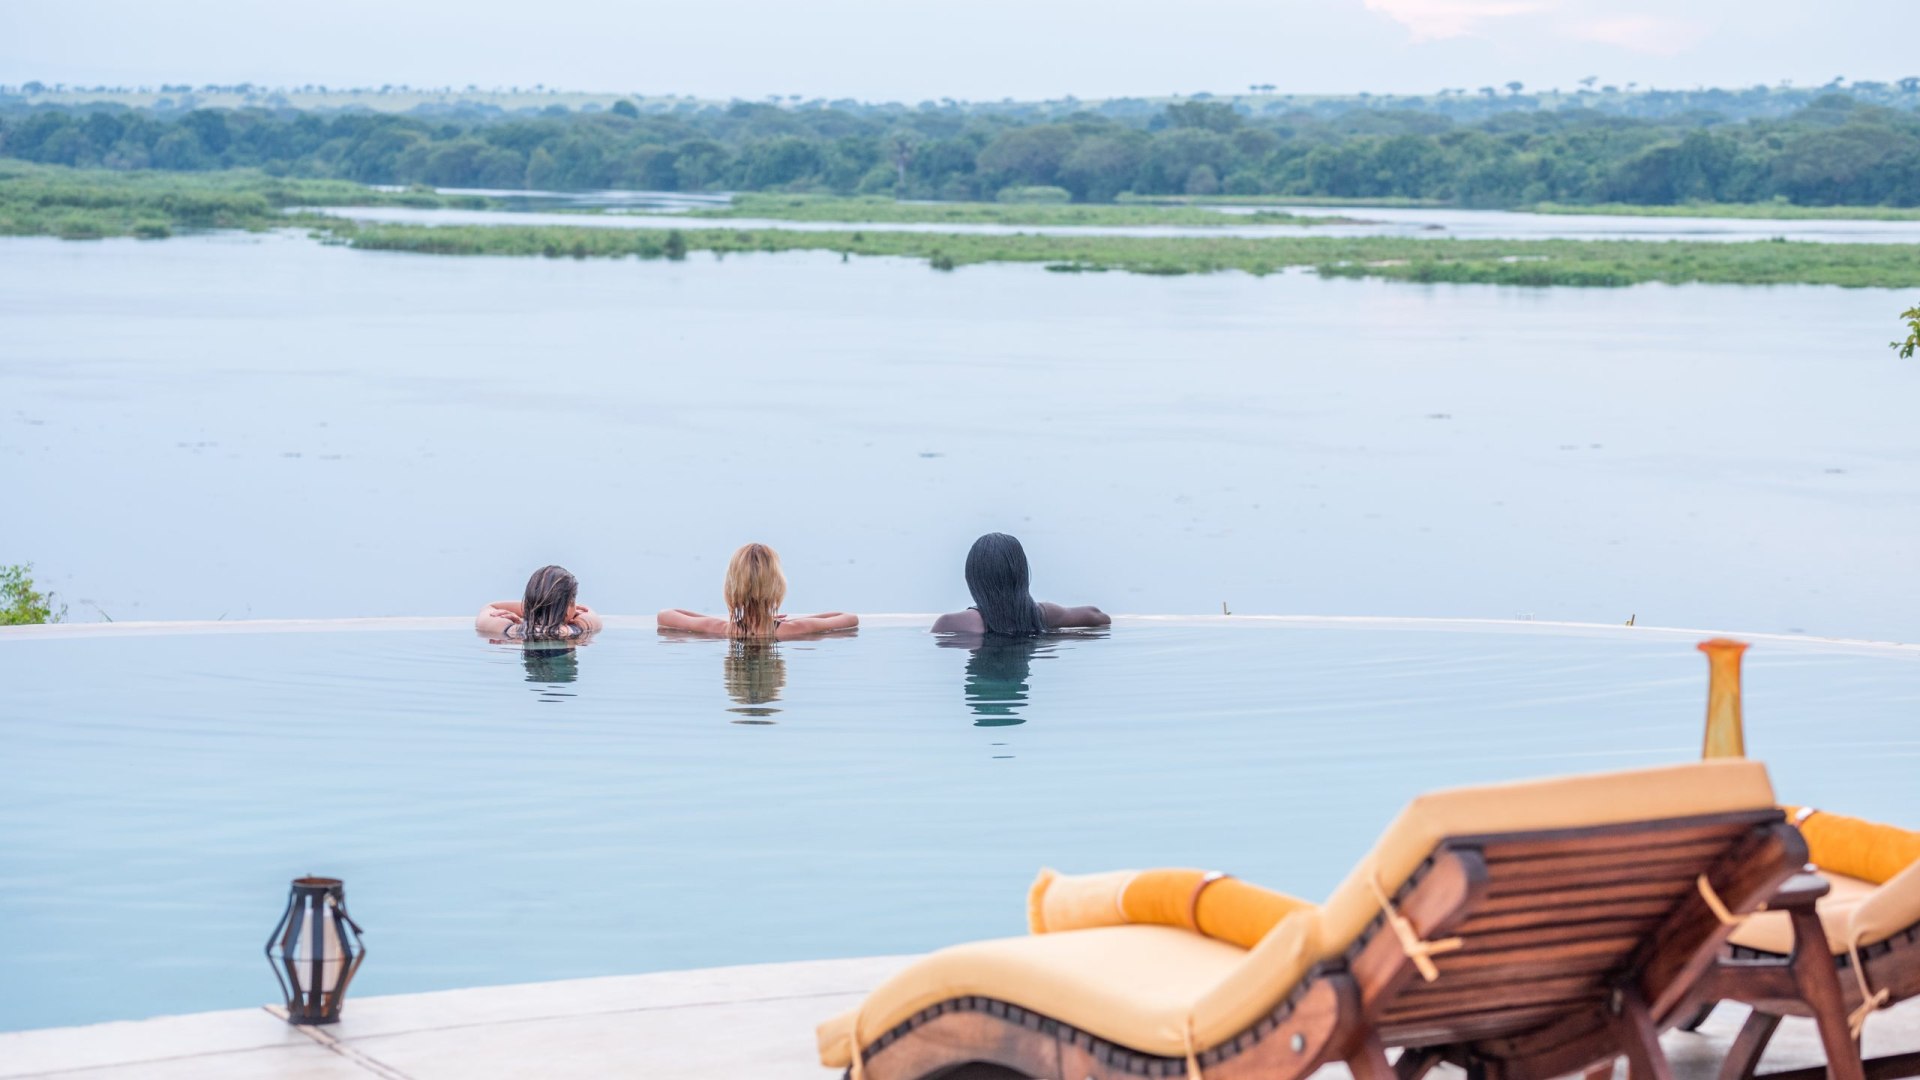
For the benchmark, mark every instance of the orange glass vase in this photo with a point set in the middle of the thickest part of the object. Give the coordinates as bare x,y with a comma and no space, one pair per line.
1725,737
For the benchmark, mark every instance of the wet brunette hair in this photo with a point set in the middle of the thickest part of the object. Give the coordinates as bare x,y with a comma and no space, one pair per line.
548,602
753,590
997,577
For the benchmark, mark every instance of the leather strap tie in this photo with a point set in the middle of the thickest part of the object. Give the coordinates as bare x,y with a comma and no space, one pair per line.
1716,905
1193,1055
1418,951
1870,1000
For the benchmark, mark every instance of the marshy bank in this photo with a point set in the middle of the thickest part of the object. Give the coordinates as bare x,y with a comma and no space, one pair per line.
96,204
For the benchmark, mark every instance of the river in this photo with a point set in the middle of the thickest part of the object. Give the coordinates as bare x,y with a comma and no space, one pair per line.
258,425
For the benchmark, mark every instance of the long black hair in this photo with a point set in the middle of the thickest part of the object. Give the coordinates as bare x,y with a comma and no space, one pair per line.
997,577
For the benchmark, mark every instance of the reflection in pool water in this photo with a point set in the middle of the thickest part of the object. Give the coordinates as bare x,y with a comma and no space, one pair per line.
551,666
998,668
893,808
755,675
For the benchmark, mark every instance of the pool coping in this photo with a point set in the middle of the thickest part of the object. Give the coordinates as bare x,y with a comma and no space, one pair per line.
708,1024
388,624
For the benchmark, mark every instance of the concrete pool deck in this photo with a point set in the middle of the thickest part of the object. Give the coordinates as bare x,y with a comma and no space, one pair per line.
735,1023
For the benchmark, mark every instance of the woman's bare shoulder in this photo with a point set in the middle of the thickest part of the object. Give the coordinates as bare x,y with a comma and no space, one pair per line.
959,622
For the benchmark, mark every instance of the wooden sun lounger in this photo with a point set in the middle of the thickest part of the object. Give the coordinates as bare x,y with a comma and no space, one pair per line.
1575,945
1816,981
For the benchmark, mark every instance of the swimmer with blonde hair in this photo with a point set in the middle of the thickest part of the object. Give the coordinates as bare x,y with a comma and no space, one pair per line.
753,591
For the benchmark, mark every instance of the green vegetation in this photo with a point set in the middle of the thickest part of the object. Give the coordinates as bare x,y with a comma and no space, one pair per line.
1274,200
20,603
79,204
1037,193
1781,211
1836,150
1906,348
881,209
1494,262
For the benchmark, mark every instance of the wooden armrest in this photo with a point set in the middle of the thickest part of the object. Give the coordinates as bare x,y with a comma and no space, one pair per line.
1799,891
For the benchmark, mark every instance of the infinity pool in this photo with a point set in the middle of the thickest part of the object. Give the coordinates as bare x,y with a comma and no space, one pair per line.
646,803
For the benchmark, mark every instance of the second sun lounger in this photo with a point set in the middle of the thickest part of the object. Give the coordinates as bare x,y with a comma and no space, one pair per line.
1834,948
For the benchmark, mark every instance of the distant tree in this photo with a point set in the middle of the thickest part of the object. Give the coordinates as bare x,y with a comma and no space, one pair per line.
1515,87
1102,166
1210,116
1910,84
33,86
543,173
1587,83
1025,157
1489,91
901,145
626,108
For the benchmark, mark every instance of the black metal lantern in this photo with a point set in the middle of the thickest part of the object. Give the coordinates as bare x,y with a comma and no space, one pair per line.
315,950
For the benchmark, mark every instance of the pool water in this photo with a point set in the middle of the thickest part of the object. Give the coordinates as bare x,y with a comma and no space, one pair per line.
647,802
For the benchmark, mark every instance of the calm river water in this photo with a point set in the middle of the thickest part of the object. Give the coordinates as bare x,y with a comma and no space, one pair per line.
263,426
646,212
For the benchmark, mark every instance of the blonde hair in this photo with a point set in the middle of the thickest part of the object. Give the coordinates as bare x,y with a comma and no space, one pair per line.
754,589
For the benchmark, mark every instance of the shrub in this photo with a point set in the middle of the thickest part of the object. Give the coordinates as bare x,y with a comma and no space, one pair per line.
1905,348
20,603
1035,193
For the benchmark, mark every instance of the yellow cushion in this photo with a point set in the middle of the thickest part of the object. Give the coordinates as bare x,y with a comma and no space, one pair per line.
1131,984
1856,847
1769,931
1874,870
1224,908
1892,908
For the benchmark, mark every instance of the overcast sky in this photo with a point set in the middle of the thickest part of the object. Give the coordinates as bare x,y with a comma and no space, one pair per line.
975,49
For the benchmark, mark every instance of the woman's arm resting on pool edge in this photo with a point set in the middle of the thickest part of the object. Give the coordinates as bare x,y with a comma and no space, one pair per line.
587,619
494,619
1060,617
682,619
816,624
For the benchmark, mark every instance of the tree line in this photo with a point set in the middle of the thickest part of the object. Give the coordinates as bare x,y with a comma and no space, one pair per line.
1835,150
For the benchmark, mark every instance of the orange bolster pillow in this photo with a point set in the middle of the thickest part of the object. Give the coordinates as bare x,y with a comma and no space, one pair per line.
1855,847
1216,905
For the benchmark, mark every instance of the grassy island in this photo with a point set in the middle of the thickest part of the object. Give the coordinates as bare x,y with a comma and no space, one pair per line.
1492,262
84,204
91,204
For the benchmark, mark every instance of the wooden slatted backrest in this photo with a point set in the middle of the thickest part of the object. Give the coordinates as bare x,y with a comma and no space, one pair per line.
1553,925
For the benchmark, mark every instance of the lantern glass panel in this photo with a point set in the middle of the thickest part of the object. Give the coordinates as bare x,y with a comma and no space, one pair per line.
320,938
